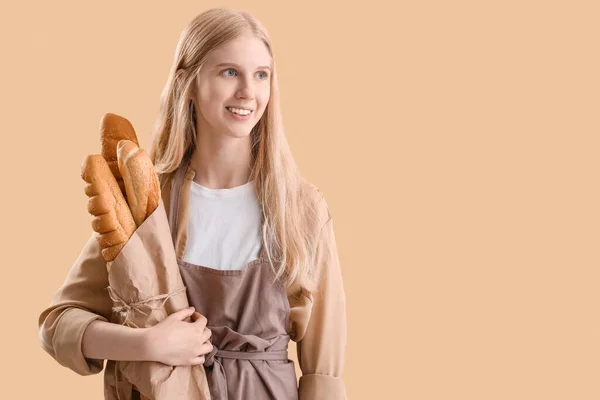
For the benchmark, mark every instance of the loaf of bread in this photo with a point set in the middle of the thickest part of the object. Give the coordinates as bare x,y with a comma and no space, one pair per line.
113,220
140,180
114,128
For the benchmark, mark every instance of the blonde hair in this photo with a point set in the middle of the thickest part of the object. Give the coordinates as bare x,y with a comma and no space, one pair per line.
292,220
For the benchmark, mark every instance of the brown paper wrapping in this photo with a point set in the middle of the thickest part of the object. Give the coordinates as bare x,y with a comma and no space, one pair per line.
146,286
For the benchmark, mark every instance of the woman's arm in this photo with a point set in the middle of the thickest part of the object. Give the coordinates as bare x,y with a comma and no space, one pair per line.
80,300
108,341
321,341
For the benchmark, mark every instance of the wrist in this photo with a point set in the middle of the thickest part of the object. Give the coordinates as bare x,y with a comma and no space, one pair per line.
146,341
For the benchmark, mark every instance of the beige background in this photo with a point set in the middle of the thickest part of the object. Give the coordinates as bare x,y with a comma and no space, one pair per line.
456,143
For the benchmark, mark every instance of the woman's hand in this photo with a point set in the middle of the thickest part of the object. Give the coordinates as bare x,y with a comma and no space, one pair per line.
176,342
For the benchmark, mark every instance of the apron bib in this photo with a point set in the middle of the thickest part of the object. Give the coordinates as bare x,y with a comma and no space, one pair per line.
248,313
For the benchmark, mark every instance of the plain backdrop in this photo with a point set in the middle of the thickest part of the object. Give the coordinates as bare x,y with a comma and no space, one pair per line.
455,142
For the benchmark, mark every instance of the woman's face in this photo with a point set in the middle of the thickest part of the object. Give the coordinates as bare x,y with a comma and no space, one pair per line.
233,87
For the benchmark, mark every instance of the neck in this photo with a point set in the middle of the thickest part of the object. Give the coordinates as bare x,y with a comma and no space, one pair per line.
221,162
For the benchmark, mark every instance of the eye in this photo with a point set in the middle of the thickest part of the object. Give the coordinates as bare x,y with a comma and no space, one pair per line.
229,69
265,74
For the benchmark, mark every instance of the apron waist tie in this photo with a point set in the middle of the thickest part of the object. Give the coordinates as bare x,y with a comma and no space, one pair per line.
217,378
249,355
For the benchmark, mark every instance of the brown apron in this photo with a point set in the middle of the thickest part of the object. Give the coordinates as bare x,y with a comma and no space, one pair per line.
248,313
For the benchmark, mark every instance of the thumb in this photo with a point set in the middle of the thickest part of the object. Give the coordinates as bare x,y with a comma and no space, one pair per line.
183,313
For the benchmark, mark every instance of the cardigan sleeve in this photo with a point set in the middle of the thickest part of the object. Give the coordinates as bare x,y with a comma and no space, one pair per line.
318,322
81,299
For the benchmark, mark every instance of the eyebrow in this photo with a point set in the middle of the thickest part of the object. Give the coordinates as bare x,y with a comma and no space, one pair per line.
237,66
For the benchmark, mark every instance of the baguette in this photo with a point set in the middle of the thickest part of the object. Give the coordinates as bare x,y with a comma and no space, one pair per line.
114,128
113,221
140,180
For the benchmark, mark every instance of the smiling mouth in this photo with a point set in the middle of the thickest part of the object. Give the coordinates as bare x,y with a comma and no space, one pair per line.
239,111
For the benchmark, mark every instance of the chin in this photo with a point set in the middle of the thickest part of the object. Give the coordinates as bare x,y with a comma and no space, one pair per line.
239,133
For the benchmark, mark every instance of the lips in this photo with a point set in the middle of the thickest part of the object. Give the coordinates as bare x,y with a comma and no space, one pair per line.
246,114
239,117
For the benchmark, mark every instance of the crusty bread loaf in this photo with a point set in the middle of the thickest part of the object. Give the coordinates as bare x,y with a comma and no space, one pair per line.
140,180
114,128
113,221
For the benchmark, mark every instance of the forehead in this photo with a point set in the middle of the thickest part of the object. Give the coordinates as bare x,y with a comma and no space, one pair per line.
247,51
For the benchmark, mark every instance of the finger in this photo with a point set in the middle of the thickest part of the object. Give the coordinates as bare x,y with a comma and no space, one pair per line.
201,320
205,335
205,348
198,360
183,313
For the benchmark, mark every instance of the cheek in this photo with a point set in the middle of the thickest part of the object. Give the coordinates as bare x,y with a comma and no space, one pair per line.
265,95
211,95
210,102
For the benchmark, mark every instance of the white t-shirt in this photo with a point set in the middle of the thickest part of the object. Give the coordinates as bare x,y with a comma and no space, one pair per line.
224,230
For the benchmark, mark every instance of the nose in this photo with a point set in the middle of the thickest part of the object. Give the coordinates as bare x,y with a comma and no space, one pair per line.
245,90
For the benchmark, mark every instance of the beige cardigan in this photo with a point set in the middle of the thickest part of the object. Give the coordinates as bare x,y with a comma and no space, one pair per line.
317,321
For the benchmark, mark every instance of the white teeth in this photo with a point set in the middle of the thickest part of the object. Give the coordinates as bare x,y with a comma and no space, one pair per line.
239,111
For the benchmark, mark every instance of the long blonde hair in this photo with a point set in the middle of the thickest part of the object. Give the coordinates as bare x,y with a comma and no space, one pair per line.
290,204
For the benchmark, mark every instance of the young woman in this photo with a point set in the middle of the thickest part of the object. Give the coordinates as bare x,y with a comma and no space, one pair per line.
254,240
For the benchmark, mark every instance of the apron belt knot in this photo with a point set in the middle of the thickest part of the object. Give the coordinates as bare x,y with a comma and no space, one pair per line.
218,379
